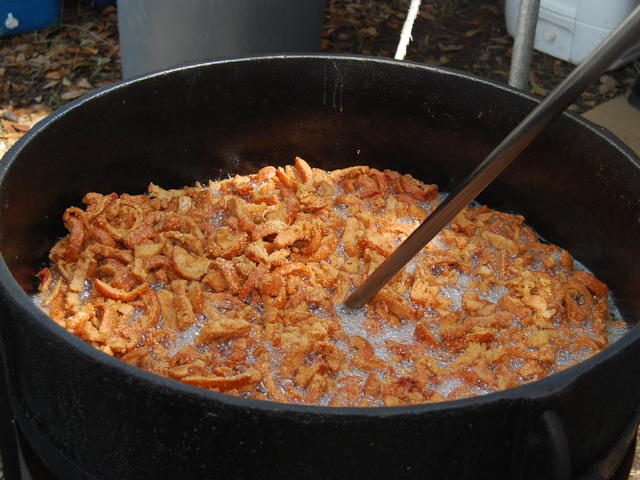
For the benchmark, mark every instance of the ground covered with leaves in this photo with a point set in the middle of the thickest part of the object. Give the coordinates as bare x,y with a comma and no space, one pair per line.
41,71
467,35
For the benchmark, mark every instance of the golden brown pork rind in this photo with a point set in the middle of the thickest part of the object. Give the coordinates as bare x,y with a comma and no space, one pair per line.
233,287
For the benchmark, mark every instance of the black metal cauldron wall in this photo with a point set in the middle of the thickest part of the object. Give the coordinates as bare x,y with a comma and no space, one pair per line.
90,416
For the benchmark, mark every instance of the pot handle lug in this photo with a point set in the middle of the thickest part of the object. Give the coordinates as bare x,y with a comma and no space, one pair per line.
608,465
557,446
560,455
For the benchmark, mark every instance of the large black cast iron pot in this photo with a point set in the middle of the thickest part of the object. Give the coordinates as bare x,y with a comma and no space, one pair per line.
89,415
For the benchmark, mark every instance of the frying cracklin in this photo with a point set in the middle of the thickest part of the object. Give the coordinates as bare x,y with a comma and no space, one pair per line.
236,287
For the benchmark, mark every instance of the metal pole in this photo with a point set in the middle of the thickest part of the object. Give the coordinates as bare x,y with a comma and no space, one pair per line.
523,44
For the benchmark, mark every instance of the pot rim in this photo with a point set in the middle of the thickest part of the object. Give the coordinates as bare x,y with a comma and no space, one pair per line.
533,391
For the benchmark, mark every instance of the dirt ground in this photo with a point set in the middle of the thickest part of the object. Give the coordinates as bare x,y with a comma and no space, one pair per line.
467,35
54,66
42,71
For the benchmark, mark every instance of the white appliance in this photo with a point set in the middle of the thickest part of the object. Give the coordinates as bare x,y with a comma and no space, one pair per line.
571,29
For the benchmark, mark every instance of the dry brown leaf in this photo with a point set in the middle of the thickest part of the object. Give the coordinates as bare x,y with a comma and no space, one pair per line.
54,75
71,94
82,82
502,40
21,127
427,16
370,31
608,84
449,47
535,87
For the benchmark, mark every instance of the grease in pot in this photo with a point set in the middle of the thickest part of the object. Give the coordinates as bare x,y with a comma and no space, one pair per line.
236,286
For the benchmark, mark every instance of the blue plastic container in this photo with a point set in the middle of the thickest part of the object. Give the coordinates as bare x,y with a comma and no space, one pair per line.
18,16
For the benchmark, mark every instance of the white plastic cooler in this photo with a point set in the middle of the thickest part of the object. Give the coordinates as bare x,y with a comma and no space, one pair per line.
571,29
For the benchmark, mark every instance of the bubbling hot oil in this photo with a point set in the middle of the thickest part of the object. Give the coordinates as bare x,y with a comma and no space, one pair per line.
353,323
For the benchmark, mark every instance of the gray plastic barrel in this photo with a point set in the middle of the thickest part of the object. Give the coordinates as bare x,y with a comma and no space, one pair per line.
155,34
